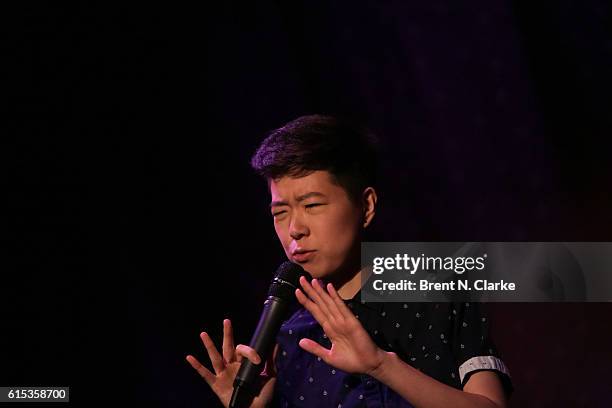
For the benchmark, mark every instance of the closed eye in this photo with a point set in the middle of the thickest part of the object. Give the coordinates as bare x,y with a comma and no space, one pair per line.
312,205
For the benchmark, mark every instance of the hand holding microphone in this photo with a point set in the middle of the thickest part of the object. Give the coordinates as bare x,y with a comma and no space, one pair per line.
241,367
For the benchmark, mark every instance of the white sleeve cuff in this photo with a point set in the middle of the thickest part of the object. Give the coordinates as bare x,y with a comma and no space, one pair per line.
482,363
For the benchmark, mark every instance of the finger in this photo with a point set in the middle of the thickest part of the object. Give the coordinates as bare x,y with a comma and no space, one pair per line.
203,371
215,358
311,306
249,353
313,294
329,302
315,348
342,307
228,342
316,312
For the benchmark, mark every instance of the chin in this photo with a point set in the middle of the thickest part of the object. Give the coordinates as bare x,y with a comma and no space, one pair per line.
313,272
316,271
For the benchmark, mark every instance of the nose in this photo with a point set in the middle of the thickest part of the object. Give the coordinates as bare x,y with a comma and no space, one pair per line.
297,228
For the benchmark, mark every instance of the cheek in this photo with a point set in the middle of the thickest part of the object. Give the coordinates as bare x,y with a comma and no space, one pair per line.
283,235
341,235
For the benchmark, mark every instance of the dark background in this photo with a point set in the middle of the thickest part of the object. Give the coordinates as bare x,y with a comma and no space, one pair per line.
134,221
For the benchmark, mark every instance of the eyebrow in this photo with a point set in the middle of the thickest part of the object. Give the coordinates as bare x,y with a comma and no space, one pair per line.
298,199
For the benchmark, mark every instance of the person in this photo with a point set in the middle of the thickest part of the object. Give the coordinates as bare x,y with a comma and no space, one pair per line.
335,350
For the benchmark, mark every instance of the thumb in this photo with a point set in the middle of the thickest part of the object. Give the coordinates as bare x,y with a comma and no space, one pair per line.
248,352
315,348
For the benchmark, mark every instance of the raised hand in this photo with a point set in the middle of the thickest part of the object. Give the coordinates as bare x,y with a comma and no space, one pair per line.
352,349
226,367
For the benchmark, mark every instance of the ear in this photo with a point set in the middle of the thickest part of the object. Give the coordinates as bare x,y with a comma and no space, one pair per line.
368,202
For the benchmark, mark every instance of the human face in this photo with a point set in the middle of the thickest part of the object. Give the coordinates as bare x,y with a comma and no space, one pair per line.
316,222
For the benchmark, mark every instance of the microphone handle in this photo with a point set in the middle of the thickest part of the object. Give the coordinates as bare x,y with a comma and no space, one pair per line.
246,385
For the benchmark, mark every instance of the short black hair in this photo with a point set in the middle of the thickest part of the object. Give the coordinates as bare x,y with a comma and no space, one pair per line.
348,151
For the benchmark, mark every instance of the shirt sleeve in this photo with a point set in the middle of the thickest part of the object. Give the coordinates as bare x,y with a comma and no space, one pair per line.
472,345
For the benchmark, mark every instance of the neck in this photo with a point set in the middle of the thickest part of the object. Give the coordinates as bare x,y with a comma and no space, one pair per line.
347,281
348,284
350,288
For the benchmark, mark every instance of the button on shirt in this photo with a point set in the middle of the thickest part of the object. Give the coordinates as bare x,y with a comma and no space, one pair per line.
447,341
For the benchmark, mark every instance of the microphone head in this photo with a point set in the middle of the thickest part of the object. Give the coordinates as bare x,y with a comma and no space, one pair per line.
287,280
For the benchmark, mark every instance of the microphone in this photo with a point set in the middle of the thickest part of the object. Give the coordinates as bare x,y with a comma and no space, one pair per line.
281,296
